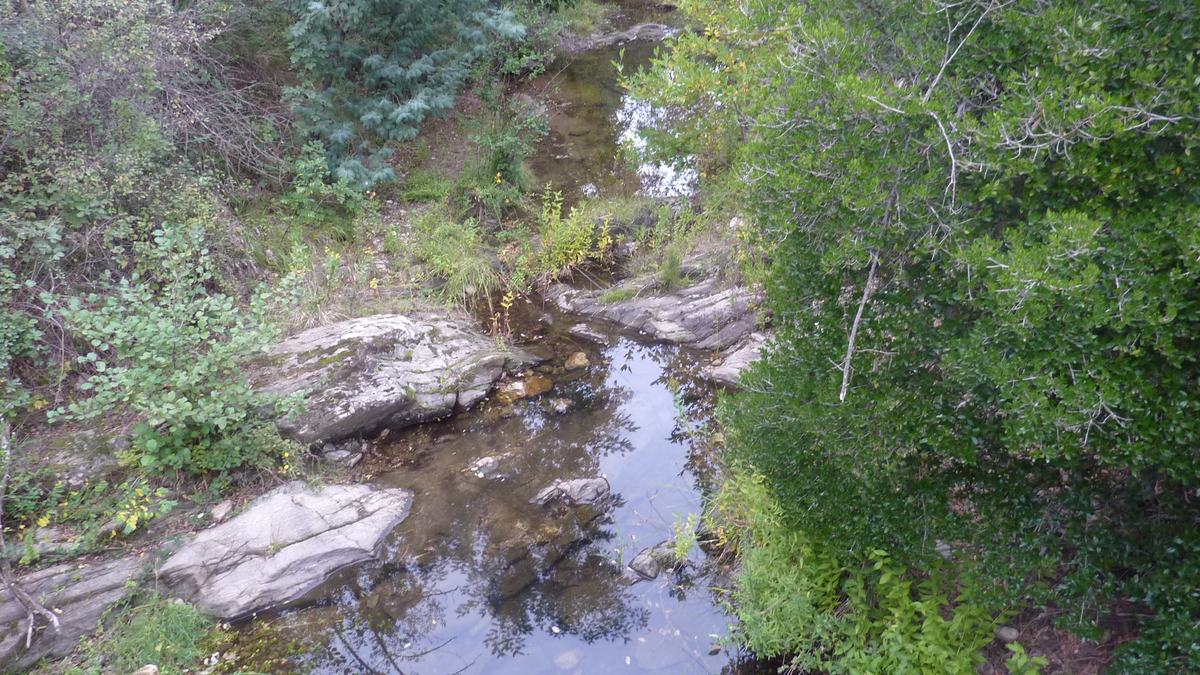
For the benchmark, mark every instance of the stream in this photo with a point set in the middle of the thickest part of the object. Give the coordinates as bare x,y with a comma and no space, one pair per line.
479,579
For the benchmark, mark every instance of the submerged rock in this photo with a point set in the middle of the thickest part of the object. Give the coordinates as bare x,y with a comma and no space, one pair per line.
582,330
282,546
534,385
575,492
494,466
78,593
651,562
706,314
388,370
576,361
558,406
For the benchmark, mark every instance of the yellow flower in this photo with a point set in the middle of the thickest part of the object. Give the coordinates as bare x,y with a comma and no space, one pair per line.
374,283
43,521
498,179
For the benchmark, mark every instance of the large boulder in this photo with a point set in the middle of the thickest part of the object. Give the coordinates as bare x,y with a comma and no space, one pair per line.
79,593
707,314
285,544
387,370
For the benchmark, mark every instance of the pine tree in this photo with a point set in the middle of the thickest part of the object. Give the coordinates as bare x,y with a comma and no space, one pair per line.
375,69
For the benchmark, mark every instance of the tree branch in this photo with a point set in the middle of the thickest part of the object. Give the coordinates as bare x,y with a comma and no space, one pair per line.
854,327
952,187
33,608
945,62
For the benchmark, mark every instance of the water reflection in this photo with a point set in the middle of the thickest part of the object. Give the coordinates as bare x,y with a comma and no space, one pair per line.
594,123
479,579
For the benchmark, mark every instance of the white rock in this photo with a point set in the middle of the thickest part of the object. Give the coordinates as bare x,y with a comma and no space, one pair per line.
387,370
282,546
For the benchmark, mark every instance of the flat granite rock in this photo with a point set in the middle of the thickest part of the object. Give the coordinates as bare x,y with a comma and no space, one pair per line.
388,370
285,544
82,591
705,315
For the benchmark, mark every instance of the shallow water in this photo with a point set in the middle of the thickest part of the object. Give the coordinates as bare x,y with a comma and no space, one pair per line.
480,580
596,127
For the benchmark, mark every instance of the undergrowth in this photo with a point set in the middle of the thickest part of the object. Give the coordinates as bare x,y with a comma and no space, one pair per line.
150,630
818,612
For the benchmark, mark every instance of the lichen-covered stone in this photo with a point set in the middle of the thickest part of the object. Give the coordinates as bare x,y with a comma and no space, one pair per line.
706,314
736,360
387,370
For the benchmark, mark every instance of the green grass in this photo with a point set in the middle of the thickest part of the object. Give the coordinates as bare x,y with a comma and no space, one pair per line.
425,185
670,270
158,630
618,295
456,253
582,17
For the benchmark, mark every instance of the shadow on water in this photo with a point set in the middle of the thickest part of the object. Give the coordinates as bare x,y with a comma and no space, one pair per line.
479,579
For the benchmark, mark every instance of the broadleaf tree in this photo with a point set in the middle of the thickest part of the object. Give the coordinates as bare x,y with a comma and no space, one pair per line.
983,226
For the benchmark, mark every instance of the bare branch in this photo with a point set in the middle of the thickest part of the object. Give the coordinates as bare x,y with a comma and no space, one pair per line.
33,608
952,186
854,328
946,61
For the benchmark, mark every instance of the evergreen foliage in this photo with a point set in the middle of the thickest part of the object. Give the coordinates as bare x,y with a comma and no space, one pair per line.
375,69
1008,194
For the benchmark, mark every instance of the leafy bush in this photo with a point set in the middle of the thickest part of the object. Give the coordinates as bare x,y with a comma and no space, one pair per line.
169,349
316,201
496,183
95,512
513,129
563,242
840,614
1007,230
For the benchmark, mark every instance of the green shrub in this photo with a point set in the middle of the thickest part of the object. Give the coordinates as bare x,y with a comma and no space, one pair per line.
155,630
1008,232
564,243
507,137
165,346
836,613
319,202
374,71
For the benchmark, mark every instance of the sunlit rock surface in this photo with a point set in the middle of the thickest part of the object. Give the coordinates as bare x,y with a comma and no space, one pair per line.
388,370
282,546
